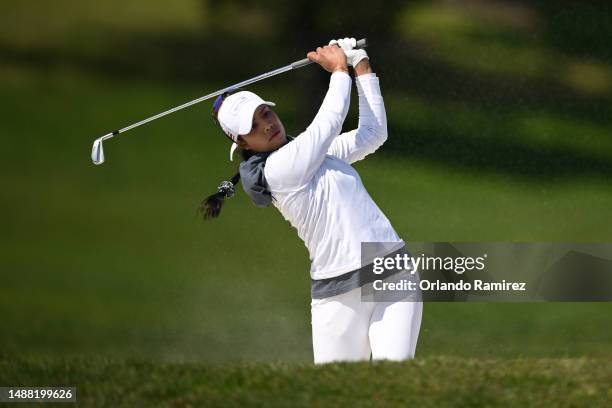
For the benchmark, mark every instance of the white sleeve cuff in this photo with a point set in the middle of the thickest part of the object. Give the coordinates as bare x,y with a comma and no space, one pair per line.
364,77
367,84
338,76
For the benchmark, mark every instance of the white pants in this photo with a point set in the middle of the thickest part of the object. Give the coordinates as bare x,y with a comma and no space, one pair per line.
346,329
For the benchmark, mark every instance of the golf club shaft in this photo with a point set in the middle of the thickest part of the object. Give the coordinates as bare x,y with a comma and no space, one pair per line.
297,64
97,151
198,100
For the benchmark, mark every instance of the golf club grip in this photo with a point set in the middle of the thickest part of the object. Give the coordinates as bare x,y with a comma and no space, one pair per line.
363,43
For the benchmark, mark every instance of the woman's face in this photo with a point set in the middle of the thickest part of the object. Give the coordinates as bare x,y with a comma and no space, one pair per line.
267,133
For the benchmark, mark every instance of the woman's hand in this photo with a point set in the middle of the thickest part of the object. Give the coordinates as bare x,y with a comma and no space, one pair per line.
353,55
331,58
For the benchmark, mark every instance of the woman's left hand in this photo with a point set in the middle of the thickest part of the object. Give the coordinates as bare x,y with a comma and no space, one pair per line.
353,56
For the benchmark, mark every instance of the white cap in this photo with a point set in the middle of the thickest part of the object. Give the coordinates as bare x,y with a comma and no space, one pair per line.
236,114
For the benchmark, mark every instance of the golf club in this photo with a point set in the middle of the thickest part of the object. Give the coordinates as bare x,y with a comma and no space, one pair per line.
97,151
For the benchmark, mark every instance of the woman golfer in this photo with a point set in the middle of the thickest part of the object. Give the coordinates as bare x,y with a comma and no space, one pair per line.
309,179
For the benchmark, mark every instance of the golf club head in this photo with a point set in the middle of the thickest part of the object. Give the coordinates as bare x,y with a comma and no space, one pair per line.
97,152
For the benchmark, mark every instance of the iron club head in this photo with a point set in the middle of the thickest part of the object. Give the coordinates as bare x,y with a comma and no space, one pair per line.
97,152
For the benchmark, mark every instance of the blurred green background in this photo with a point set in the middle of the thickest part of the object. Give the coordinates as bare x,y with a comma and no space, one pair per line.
500,130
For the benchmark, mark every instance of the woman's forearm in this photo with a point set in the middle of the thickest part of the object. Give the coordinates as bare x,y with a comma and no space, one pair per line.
371,132
372,127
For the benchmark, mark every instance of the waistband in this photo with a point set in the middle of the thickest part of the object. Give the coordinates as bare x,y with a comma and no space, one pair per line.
324,288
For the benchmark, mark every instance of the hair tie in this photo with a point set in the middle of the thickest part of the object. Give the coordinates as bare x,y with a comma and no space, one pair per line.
227,189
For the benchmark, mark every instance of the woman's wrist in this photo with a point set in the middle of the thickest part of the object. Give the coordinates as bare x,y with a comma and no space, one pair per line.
341,69
363,67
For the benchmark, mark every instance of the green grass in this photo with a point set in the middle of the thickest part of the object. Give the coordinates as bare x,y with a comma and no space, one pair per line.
111,283
427,382
112,260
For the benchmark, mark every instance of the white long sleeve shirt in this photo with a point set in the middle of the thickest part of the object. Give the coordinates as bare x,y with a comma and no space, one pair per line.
317,190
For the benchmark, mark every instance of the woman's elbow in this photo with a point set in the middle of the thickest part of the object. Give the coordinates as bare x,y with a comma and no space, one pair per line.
374,137
380,134
380,127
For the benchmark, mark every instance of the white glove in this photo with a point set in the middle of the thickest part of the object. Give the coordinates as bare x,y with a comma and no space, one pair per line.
353,57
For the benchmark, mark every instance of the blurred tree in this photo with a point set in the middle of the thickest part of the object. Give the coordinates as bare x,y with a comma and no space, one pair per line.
287,30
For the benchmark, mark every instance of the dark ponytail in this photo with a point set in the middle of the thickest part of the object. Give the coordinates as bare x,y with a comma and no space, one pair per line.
211,206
